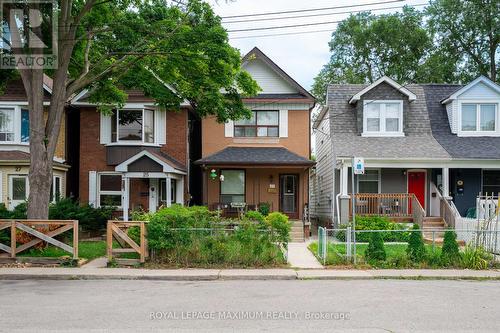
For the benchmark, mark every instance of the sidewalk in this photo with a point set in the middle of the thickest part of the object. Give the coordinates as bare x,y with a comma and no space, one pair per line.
299,256
238,274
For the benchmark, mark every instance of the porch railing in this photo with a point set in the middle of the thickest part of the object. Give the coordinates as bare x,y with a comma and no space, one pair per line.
449,212
396,205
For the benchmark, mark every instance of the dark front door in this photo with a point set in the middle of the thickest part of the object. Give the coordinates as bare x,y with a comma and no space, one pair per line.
289,195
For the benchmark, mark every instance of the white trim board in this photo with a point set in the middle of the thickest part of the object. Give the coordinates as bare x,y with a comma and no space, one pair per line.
389,81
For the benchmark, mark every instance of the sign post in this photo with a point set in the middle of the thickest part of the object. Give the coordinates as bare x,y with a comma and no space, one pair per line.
358,168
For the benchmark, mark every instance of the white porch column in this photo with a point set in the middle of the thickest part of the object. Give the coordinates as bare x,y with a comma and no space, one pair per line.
125,197
180,191
153,194
446,182
344,180
168,189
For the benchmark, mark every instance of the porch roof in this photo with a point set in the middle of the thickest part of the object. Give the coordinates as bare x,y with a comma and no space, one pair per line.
17,156
158,159
255,156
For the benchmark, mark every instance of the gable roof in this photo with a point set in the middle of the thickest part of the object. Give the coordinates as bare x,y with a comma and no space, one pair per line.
388,80
481,79
255,156
258,54
167,164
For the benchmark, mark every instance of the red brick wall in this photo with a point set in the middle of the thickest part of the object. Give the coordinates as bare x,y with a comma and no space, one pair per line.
93,154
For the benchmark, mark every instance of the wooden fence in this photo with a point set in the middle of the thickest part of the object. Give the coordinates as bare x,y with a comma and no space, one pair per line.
384,204
40,231
118,231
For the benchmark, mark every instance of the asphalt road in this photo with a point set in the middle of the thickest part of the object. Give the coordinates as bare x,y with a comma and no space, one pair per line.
249,306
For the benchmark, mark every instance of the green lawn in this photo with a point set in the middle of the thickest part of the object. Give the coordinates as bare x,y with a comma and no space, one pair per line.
395,254
86,250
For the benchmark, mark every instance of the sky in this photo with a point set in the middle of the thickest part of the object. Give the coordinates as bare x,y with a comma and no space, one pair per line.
301,55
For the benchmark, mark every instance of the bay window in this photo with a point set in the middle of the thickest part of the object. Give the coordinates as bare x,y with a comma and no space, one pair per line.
7,124
232,189
479,117
133,126
110,190
261,124
383,118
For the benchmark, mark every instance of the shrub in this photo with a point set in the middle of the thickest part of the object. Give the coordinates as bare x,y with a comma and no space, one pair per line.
416,247
450,253
264,208
377,223
89,218
475,258
375,250
135,234
279,226
255,216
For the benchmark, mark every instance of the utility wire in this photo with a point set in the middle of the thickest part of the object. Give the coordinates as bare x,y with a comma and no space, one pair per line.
322,14
311,9
284,34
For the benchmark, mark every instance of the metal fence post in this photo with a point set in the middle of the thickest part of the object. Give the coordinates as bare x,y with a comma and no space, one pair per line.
348,242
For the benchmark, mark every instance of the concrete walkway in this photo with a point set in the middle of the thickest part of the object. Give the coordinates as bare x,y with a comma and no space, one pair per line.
101,262
299,256
38,273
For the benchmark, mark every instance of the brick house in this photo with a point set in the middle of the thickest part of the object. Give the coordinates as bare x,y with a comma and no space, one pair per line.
135,158
14,146
264,159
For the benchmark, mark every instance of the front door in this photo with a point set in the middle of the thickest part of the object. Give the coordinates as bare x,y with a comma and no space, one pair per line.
416,185
289,196
18,190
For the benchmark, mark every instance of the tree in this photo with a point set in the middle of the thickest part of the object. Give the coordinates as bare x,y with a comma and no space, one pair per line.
450,253
365,47
469,33
416,247
110,46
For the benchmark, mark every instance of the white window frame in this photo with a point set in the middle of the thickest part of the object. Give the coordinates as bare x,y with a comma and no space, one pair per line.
135,142
382,131
379,179
54,188
17,124
257,126
99,192
10,189
478,131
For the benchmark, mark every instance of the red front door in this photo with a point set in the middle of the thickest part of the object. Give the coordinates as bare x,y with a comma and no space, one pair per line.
416,185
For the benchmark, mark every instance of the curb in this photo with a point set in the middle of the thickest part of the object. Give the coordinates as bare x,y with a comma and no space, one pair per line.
242,277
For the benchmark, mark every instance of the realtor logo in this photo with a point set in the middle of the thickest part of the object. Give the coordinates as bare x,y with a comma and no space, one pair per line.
28,38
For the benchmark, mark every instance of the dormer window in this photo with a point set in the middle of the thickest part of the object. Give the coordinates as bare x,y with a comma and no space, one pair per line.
479,117
383,118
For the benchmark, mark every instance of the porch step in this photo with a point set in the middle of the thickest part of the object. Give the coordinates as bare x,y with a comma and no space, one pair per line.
297,231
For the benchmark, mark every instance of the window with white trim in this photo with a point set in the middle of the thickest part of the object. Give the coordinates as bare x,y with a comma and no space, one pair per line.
109,190
14,124
55,189
261,124
479,117
133,126
383,118
369,182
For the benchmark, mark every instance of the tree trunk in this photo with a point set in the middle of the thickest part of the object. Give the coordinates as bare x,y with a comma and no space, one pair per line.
40,175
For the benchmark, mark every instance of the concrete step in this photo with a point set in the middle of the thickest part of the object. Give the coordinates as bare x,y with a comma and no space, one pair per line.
433,219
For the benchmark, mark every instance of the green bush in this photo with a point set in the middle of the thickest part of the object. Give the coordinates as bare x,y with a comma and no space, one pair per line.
279,227
256,217
450,253
193,236
416,246
475,258
264,208
375,250
376,223
89,218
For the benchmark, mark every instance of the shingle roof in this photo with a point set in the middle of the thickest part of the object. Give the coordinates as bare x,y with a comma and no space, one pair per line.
457,147
20,156
417,142
427,131
255,156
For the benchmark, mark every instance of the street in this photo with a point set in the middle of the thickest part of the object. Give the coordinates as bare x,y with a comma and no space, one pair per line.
361,306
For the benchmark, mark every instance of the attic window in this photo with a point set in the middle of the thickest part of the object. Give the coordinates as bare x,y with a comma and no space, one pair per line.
479,117
383,118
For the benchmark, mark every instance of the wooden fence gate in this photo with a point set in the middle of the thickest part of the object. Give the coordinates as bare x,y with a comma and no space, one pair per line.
118,231
40,231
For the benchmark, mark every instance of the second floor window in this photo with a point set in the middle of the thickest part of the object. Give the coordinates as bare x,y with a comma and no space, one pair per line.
133,125
479,117
383,118
261,124
14,125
